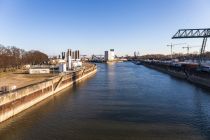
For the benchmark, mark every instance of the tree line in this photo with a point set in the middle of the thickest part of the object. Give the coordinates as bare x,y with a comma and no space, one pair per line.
13,57
180,56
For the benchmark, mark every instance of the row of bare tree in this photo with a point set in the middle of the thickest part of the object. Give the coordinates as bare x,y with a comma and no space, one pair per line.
13,57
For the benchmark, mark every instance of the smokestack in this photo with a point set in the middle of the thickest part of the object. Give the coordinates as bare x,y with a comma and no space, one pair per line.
78,54
70,53
63,55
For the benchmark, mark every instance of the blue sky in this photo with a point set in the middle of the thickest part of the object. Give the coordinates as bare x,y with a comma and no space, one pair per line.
94,26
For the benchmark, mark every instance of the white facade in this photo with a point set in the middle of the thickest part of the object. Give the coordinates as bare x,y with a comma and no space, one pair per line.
109,55
72,60
39,71
76,64
62,67
69,62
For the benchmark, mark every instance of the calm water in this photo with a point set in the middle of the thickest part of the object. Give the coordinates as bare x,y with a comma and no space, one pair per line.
121,102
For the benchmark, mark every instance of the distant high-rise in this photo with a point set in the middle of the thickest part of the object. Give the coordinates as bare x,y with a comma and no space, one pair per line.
109,55
106,55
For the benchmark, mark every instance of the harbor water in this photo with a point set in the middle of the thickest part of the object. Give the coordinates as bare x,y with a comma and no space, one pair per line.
123,101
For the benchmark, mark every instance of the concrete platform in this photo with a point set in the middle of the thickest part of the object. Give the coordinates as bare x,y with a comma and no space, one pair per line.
20,79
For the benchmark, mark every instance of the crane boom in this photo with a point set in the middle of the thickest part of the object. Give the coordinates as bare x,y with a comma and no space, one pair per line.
172,45
194,33
188,48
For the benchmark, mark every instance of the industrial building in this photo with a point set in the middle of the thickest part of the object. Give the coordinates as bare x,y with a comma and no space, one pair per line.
109,55
39,70
69,60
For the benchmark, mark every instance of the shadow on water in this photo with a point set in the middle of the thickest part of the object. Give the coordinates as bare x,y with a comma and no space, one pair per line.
74,77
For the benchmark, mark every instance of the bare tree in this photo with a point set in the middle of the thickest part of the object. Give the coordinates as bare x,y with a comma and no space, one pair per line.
13,57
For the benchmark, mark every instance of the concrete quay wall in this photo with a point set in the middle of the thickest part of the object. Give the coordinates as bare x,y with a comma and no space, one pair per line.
14,102
196,79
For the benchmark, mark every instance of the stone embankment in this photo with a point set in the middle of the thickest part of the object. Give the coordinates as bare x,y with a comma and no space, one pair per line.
189,72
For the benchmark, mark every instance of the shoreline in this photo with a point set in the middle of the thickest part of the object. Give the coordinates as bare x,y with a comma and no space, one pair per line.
190,77
14,102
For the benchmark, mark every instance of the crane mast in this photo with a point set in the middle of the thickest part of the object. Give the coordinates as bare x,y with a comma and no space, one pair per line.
188,48
172,45
195,33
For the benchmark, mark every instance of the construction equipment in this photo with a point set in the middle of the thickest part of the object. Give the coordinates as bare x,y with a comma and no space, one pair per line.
172,45
189,47
194,33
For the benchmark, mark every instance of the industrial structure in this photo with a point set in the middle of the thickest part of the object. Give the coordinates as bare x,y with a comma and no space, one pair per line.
188,47
194,33
69,60
172,45
39,70
109,55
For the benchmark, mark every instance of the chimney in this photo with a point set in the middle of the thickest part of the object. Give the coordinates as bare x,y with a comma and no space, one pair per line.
78,54
70,53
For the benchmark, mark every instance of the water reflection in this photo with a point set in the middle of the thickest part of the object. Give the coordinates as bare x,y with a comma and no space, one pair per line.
122,101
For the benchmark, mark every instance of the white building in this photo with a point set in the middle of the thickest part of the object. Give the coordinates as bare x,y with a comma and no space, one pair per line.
39,70
62,67
109,55
72,59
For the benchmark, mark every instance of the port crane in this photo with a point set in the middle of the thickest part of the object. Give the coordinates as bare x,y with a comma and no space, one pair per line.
172,45
189,47
203,33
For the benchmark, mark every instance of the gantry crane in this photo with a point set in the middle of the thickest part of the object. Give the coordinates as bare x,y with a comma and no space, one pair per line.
172,45
195,33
